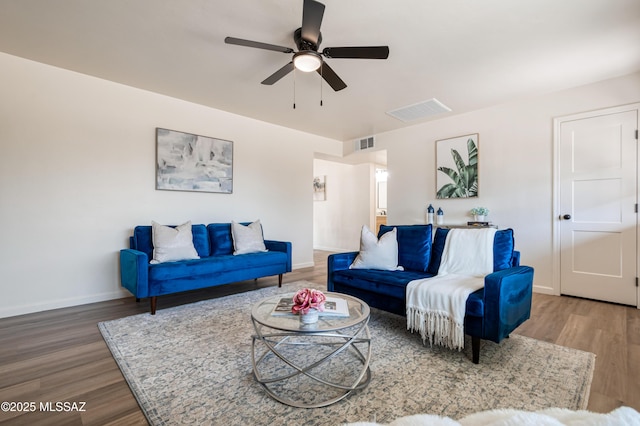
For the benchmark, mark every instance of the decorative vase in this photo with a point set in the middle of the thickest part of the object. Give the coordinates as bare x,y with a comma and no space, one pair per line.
310,317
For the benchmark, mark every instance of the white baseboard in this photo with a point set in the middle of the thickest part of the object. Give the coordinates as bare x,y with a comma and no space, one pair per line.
543,290
302,265
334,249
76,301
61,303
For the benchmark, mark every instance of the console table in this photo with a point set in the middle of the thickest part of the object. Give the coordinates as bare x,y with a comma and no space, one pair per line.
463,226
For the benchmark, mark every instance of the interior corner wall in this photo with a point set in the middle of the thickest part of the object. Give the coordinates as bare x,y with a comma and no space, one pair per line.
77,173
515,165
348,205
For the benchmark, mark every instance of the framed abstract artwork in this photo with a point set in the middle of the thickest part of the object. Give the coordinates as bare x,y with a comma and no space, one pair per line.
457,167
188,162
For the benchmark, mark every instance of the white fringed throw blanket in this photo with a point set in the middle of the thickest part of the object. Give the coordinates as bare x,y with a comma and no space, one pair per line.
436,306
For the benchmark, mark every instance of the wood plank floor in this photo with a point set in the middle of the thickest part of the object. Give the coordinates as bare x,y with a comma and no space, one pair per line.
60,355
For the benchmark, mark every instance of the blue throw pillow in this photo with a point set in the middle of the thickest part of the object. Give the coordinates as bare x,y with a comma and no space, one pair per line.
414,245
221,239
142,240
503,246
437,249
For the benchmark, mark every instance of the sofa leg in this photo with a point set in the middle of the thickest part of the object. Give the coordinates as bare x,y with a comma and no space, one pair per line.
475,348
280,280
154,302
137,300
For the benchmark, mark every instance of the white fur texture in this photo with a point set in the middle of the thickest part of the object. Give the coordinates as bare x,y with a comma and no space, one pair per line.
622,416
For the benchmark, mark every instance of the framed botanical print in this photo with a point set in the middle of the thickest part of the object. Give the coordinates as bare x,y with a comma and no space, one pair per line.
457,167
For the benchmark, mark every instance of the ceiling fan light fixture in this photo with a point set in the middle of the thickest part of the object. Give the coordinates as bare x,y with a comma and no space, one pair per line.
307,61
307,39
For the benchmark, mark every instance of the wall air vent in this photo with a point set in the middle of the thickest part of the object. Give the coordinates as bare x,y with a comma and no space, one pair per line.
420,110
365,143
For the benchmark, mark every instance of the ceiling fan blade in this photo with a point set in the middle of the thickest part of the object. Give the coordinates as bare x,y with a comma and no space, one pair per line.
279,74
312,14
257,44
365,52
331,77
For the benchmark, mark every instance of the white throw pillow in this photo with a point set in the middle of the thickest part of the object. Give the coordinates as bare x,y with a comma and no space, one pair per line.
171,244
377,254
247,239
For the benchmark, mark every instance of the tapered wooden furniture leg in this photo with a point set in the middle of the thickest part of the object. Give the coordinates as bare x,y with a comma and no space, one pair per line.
154,302
475,348
280,280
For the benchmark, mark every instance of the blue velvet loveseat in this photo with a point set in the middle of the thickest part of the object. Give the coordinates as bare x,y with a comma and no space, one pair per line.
491,313
217,264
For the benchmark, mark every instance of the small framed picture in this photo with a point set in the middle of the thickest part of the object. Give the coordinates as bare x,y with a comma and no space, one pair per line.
319,188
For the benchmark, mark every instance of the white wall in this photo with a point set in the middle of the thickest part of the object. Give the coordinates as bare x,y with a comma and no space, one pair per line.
515,165
350,198
77,173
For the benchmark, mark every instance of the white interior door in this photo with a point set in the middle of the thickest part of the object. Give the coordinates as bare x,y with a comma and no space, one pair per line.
598,210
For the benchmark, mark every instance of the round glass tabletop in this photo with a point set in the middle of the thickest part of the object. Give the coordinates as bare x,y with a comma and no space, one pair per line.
263,313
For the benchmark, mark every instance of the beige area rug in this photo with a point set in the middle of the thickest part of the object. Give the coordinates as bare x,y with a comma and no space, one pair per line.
192,365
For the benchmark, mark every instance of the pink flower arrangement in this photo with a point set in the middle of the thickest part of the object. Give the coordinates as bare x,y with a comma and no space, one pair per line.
307,299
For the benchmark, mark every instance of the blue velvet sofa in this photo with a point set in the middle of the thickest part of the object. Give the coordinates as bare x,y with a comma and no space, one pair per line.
491,313
217,264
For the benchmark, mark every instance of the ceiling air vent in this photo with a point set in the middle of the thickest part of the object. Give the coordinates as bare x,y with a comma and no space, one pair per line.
365,143
420,110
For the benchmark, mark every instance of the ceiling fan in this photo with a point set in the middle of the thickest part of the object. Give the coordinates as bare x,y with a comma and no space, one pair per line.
308,38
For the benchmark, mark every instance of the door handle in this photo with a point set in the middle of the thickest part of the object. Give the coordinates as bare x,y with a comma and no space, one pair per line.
566,217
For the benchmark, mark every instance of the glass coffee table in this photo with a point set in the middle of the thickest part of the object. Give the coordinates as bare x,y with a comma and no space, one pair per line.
311,365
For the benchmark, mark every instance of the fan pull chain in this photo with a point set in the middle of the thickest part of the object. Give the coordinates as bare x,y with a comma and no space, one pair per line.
294,88
321,78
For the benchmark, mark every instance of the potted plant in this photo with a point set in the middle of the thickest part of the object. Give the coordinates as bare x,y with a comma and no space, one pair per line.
479,213
308,303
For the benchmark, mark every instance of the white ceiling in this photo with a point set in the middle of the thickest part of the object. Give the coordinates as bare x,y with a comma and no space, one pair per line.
469,54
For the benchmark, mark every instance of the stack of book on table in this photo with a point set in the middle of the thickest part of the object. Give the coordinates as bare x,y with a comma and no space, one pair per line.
479,224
